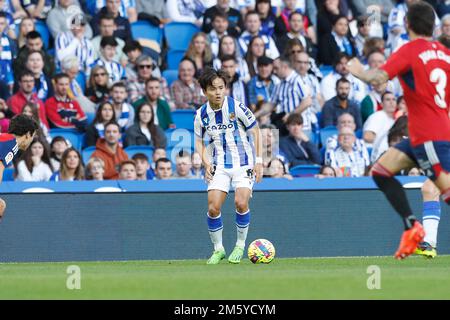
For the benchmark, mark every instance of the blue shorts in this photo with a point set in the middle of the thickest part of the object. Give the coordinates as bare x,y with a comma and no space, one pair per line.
432,156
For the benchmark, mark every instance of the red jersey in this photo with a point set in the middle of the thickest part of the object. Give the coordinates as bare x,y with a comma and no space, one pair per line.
423,68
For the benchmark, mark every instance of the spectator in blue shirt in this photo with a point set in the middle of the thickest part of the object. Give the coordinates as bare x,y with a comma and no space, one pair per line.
261,86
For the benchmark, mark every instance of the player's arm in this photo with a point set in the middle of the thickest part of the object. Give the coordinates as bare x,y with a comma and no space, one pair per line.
373,76
200,147
257,139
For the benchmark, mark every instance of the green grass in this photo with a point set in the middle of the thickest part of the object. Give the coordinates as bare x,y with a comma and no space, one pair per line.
324,278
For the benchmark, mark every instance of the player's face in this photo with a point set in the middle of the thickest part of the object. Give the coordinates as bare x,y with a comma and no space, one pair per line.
216,92
128,172
164,170
72,161
27,141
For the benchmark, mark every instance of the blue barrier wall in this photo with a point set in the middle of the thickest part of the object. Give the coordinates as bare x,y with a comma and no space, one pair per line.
167,220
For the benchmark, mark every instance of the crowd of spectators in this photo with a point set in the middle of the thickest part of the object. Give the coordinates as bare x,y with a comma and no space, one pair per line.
287,61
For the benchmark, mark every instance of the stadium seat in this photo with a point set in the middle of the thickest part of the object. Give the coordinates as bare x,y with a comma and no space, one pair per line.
42,28
170,76
180,138
325,70
144,30
359,133
327,132
179,34
90,117
184,119
147,150
173,58
87,153
304,170
8,174
81,79
74,137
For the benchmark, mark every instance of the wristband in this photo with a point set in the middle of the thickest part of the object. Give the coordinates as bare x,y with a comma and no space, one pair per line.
258,160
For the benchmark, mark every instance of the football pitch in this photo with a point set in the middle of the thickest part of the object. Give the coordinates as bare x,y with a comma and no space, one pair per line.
303,278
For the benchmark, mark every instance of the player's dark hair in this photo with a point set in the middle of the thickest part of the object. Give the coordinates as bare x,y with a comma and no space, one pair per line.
33,35
209,75
294,118
21,124
421,18
140,156
162,160
342,80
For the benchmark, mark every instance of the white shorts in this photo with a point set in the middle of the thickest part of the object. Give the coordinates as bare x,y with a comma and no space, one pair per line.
241,177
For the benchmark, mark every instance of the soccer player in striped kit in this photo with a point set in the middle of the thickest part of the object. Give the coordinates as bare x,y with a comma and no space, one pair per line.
236,159
21,132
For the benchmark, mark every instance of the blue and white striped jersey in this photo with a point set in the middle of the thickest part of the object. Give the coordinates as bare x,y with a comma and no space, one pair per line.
115,70
289,93
66,44
227,128
124,5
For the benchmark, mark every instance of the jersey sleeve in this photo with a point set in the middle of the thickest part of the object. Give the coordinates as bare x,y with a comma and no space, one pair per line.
198,128
6,153
398,63
246,116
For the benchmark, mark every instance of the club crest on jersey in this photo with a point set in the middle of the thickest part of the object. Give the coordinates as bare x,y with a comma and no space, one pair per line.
232,116
206,121
9,157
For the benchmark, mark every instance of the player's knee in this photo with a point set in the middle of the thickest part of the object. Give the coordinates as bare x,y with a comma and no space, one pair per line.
241,205
430,192
213,211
